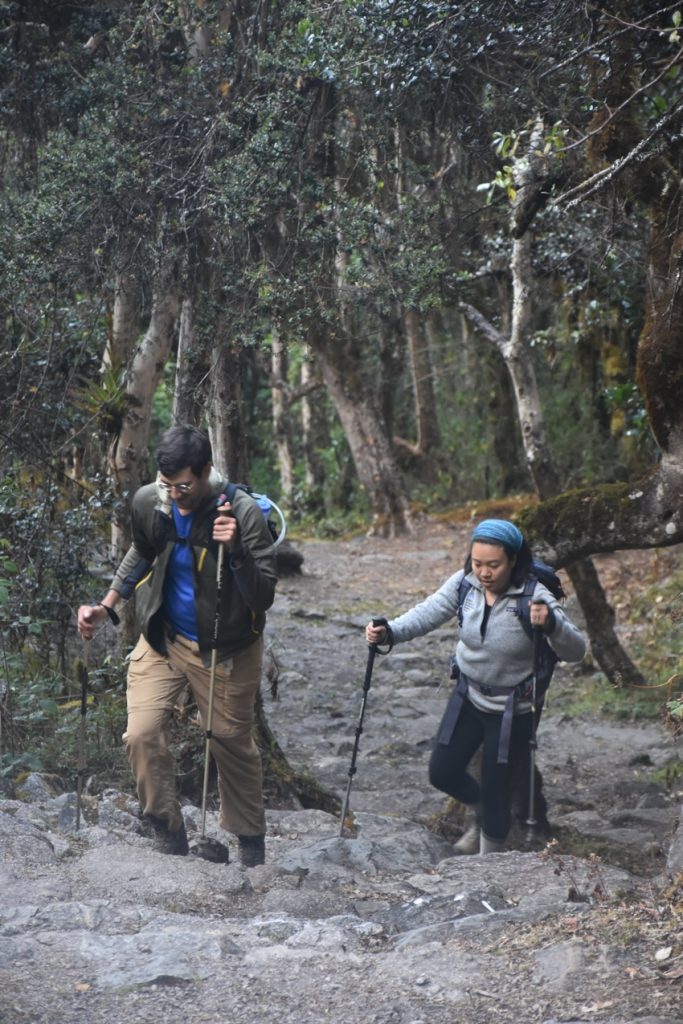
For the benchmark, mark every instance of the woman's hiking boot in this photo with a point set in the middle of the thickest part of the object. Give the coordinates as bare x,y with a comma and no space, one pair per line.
165,841
487,845
252,850
469,840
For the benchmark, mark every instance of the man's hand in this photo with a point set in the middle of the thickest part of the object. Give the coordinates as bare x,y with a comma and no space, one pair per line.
225,528
88,617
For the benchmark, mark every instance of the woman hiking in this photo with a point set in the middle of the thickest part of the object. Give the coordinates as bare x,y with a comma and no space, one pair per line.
494,665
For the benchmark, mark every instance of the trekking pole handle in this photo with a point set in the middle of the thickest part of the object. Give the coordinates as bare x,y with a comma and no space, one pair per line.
540,604
377,622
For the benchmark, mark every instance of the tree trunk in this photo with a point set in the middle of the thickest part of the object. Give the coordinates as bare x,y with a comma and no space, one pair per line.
649,512
370,448
391,356
225,413
531,175
280,407
187,405
314,434
125,322
428,438
338,353
129,454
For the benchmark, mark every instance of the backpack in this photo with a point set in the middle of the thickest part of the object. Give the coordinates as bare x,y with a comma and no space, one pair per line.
265,504
546,658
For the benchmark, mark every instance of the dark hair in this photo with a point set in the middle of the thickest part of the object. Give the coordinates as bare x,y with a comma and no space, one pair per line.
523,559
180,447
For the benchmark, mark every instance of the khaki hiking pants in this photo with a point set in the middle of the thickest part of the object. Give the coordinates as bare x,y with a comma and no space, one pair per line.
155,685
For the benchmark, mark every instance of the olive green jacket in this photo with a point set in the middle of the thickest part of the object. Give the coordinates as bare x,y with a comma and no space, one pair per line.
249,576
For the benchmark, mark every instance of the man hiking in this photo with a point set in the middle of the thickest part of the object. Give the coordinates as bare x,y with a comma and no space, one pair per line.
177,524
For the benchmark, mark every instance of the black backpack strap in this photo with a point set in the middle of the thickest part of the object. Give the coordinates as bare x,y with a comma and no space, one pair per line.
464,588
523,606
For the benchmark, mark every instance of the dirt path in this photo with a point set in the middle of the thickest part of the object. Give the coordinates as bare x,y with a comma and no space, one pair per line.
602,777
389,926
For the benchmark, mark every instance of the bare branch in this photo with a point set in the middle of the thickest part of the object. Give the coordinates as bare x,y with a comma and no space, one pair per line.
629,99
596,181
483,326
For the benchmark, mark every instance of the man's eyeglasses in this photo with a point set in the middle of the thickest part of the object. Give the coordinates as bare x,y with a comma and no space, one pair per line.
184,488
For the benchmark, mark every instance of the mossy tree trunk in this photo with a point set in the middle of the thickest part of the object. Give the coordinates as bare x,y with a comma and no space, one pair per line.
647,512
191,369
531,182
336,339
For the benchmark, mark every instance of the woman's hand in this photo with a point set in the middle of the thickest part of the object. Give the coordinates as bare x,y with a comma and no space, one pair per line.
375,635
540,614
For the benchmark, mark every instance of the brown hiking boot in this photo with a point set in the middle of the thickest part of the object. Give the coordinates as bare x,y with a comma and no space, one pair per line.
252,850
166,841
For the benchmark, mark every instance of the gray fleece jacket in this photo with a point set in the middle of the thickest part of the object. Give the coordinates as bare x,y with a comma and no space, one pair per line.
503,656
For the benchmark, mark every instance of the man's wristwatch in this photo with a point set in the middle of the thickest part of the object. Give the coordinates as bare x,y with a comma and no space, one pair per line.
115,620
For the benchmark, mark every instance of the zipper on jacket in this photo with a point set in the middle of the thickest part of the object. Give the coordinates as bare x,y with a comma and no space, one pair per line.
485,619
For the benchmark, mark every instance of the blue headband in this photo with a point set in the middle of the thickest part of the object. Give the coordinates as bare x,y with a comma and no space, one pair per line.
500,531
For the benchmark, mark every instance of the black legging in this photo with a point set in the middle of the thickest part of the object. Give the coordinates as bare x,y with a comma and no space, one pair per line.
448,765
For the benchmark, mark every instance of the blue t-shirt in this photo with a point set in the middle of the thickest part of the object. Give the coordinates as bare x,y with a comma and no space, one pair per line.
179,609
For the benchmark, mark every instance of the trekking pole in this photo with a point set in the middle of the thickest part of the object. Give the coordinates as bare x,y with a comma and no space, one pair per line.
531,819
372,651
211,849
82,676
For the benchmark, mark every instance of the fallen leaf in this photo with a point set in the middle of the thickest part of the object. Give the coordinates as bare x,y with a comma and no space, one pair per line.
596,1007
82,986
663,954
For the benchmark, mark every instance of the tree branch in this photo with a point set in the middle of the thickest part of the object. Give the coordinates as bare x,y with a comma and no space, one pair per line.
614,517
479,322
591,185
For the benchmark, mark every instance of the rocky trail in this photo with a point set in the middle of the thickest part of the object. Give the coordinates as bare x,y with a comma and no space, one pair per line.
389,926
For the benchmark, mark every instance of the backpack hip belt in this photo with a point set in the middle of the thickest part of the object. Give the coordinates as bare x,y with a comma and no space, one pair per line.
455,702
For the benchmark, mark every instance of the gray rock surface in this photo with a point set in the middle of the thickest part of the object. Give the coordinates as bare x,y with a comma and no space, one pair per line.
388,926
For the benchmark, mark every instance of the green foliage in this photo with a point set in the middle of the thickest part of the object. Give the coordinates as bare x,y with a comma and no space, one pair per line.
670,775
152,150
594,696
8,571
45,722
626,399
317,171
657,647
48,532
104,400
660,652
